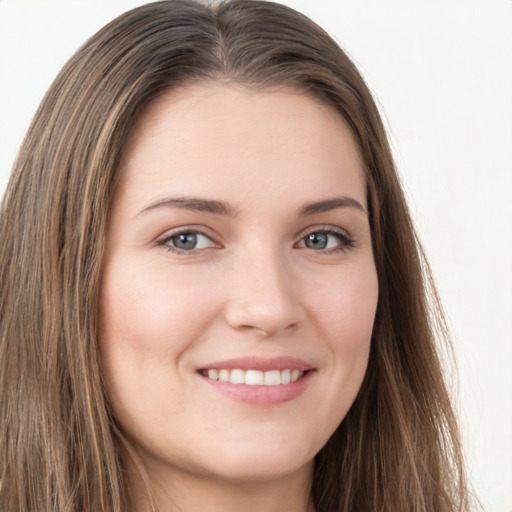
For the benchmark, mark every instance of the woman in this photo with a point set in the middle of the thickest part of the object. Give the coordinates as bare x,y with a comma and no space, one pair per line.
213,297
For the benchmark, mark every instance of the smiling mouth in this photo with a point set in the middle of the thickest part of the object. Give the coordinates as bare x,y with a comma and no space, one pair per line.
254,377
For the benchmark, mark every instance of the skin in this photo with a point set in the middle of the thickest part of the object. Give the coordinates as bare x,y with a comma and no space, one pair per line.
251,287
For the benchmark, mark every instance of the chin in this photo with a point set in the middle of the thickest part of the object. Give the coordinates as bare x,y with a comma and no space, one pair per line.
262,463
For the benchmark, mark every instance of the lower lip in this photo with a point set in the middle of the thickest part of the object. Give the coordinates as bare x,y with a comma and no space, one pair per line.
266,396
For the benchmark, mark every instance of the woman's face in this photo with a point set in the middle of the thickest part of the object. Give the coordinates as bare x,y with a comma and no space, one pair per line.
239,286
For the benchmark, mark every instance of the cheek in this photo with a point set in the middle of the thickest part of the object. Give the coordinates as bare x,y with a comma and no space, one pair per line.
150,310
346,314
148,319
345,309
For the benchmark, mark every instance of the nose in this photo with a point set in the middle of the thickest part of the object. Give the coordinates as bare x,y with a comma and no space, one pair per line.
263,297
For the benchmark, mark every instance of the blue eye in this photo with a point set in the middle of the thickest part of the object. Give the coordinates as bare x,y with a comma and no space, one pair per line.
317,241
187,241
326,240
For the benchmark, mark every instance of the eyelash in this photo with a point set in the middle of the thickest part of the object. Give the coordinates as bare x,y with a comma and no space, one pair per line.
345,241
166,239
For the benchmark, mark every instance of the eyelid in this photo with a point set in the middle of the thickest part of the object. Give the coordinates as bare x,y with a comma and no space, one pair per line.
346,240
329,228
163,239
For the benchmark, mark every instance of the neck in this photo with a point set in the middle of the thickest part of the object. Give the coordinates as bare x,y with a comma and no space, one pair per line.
175,491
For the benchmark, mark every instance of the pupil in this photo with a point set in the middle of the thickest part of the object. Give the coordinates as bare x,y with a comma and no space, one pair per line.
185,241
316,241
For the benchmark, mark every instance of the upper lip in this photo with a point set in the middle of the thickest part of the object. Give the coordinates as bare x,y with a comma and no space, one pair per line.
259,363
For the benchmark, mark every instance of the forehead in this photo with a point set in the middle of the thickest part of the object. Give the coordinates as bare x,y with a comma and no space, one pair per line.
209,136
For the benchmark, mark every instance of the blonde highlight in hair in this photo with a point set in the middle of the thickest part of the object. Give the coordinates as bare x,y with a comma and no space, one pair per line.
398,449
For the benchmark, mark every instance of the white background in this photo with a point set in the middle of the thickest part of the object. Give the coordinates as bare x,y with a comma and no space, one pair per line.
442,74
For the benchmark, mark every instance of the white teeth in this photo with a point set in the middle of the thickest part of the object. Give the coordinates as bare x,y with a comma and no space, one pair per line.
272,378
255,377
295,375
213,374
224,375
237,377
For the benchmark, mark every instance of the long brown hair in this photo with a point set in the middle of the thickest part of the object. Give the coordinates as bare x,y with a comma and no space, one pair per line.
398,448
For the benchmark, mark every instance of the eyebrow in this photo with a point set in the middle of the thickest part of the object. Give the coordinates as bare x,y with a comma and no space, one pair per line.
192,203
220,208
331,204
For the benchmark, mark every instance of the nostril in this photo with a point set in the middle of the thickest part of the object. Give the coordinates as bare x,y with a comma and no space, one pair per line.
267,331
